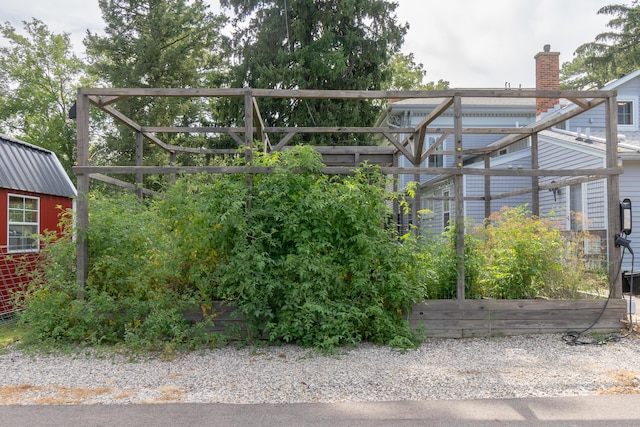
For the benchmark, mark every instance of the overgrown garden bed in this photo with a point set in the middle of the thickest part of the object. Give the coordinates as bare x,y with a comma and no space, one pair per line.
305,258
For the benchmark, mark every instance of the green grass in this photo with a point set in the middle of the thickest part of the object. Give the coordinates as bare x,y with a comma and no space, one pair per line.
10,333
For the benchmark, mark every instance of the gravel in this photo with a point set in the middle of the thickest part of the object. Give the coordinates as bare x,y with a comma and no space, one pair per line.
471,368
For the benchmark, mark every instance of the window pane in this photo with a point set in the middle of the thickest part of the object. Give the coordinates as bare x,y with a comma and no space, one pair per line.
625,116
21,237
16,216
16,203
31,204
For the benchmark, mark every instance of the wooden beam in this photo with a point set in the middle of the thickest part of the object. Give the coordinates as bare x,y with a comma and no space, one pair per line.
123,184
117,170
613,195
191,129
284,141
107,100
536,127
535,182
487,187
139,162
341,94
459,202
131,124
420,131
401,147
540,187
82,202
257,118
434,147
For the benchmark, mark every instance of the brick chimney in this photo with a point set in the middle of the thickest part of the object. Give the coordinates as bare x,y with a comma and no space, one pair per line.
547,77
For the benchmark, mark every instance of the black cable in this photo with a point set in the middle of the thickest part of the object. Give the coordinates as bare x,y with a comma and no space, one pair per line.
573,337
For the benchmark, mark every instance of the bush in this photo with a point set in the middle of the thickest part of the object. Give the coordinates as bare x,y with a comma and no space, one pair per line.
523,255
305,257
513,256
128,296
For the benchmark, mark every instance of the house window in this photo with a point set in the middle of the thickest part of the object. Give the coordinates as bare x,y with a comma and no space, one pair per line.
446,210
625,113
23,224
435,160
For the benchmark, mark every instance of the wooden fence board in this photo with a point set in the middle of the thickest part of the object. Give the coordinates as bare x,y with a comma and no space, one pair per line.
474,318
455,319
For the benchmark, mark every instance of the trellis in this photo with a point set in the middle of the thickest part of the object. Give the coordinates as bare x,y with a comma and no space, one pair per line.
408,141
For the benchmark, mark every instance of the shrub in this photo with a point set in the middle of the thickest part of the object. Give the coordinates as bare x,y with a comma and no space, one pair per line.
522,253
305,256
128,295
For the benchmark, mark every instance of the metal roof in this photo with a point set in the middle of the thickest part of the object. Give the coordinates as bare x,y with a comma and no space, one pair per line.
25,167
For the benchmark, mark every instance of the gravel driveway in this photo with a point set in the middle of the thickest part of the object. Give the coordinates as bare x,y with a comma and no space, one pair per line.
471,368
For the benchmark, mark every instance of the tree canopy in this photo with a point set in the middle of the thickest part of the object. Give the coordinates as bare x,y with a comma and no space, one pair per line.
612,55
289,44
39,74
157,43
406,74
307,44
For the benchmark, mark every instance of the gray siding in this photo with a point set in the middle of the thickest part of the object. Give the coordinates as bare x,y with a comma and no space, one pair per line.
561,156
630,189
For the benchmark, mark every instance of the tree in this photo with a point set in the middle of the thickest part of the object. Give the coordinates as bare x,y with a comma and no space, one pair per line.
405,74
39,74
307,44
157,44
612,55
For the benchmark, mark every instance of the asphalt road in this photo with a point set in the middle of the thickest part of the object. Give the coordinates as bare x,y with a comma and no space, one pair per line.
618,410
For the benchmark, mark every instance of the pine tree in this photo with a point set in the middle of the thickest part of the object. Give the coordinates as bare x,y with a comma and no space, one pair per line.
310,44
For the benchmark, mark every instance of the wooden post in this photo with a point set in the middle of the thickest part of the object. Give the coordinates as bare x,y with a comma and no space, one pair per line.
139,157
248,140
396,204
415,206
459,195
172,162
82,203
613,195
487,187
535,181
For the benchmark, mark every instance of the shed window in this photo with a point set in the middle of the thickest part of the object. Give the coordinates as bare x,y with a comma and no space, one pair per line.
24,213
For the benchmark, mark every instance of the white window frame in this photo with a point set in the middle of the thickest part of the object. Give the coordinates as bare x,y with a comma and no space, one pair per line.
13,224
634,113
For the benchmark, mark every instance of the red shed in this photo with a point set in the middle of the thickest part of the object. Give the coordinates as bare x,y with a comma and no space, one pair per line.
33,189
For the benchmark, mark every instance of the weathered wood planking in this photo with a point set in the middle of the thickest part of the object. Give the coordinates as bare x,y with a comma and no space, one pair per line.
469,318
475,318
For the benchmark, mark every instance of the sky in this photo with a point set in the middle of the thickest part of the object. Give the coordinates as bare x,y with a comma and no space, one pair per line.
470,43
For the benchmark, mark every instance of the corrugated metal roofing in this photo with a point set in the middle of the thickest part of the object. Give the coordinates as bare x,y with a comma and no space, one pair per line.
26,167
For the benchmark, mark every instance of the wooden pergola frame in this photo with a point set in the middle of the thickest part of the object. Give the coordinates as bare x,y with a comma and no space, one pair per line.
404,141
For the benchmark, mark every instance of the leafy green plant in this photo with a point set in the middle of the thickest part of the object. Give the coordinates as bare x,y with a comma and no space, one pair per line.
522,253
305,256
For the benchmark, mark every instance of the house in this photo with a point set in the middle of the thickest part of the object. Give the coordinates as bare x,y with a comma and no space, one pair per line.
576,143
34,189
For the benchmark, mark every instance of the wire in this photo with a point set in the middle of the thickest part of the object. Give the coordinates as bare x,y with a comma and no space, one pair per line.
573,337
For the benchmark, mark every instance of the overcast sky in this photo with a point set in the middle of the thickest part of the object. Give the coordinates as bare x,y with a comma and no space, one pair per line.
470,43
